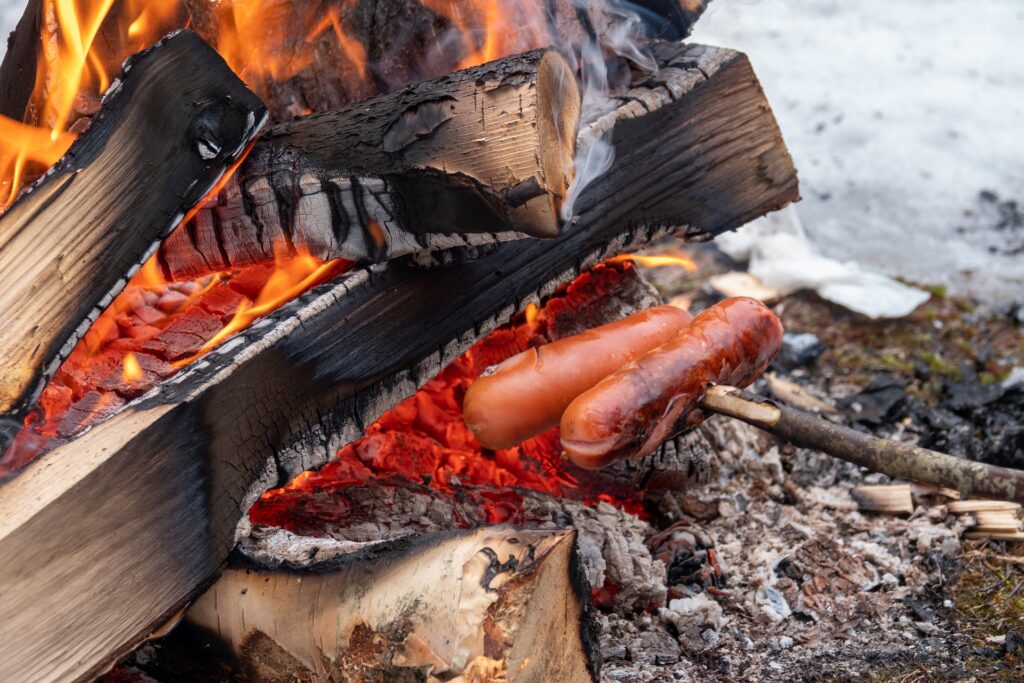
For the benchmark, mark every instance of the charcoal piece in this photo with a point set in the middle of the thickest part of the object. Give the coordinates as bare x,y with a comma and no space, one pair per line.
873,404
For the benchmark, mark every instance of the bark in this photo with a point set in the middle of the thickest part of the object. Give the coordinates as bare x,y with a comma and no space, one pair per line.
477,156
444,604
160,487
162,139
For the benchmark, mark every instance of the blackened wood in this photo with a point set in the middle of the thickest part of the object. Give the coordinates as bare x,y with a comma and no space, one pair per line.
409,41
163,137
390,44
475,157
156,492
18,70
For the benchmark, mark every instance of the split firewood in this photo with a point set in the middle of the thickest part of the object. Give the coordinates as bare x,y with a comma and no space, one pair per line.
475,157
166,133
18,70
161,486
441,605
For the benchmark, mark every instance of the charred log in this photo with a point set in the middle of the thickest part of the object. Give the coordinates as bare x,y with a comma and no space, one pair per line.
441,164
162,139
18,70
160,487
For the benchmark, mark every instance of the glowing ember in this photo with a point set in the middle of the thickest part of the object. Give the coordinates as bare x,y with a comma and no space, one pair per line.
425,438
678,260
290,277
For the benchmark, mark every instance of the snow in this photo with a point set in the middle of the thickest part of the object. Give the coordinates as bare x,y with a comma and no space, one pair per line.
898,115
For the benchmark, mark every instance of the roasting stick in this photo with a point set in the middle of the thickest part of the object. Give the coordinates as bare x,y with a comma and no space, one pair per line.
881,455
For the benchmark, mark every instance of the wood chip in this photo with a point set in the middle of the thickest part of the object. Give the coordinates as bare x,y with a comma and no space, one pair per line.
893,498
995,536
960,507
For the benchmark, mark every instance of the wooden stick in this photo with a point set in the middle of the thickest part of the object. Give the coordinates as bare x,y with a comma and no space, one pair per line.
881,455
175,122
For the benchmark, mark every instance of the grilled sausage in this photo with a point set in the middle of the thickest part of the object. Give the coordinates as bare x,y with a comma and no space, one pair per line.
527,394
631,412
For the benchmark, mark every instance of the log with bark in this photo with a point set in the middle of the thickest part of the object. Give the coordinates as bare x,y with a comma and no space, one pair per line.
166,133
445,163
441,605
149,500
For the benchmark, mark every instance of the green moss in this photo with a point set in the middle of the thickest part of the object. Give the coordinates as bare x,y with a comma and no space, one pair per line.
988,602
938,291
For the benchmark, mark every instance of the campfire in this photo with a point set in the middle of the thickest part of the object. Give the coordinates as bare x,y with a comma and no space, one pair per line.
255,256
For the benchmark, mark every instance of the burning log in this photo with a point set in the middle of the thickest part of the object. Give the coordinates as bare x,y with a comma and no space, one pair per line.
69,242
438,165
444,605
18,70
330,54
159,488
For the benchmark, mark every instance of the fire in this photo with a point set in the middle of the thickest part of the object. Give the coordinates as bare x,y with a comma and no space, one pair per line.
292,275
489,29
425,438
132,370
678,260
71,71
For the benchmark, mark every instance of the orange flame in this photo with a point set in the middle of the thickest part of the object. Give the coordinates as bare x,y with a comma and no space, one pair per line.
292,276
353,49
658,260
132,370
490,29
67,66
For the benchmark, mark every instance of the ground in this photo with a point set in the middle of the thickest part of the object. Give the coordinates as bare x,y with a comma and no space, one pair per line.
814,588
902,118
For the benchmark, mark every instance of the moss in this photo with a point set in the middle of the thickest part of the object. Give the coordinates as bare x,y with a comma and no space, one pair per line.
938,365
938,291
988,599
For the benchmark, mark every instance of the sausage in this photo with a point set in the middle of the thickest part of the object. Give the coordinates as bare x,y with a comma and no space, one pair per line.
527,394
631,412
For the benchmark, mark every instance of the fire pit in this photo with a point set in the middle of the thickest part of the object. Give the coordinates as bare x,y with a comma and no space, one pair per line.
248,279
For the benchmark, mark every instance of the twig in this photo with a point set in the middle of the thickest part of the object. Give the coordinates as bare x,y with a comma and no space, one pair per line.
881,455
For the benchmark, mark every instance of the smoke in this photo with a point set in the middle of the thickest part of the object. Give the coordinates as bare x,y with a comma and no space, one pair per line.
619,35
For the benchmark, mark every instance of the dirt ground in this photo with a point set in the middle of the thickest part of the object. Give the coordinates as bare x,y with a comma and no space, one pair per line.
814,589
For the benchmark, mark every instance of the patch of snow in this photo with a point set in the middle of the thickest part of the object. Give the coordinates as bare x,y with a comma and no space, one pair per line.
898,115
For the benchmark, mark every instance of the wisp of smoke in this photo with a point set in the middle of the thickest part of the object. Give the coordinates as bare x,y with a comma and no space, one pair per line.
619,36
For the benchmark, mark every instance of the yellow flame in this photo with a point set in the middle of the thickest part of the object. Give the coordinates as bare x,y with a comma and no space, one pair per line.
658,260
69,65
293,275
132,370
532,313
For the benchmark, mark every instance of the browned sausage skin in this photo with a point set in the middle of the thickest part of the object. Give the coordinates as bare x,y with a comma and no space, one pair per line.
631,412
527,394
